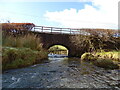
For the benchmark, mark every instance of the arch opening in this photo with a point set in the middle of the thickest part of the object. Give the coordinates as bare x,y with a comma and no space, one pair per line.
58,50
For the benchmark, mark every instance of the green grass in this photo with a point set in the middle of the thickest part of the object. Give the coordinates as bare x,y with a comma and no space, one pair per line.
21,57
88,57
22,50
57,47
109,60
114,55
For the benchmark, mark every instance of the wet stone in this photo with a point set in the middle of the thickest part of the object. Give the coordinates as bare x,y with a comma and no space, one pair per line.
61,74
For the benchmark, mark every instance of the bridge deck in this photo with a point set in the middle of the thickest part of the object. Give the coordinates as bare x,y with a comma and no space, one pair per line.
56,30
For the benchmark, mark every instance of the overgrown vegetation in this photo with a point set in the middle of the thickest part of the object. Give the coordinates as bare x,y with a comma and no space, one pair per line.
28,41
21,50
101,47
88,57
21,57
109,55
103,59
93,39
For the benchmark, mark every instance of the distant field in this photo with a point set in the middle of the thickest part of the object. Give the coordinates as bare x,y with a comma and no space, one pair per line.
57,47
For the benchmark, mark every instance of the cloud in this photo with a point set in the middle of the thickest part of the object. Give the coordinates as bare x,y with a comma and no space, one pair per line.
44,0
101,14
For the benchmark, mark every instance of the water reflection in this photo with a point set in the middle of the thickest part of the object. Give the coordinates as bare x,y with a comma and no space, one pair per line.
57,55
74,64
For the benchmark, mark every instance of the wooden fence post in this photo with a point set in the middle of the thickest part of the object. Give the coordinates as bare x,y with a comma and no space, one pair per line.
51,29
42,29
61,30
34,29
70,31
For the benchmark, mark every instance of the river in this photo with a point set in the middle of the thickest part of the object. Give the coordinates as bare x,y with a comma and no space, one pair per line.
59,72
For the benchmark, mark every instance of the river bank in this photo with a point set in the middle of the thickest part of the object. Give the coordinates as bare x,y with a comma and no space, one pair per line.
21,50
110,59
21,57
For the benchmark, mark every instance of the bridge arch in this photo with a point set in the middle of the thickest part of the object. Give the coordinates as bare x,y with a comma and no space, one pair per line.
58,49
49,40
58,44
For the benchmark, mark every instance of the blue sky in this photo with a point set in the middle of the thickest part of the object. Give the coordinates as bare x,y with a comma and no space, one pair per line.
34,11
57,14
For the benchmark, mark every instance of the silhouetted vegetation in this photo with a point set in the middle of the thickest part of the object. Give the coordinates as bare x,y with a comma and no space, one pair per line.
94,39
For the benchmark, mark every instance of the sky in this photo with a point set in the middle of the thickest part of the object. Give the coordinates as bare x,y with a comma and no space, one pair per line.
66,13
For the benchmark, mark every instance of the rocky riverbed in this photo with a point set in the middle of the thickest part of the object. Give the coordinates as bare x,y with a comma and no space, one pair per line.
61,73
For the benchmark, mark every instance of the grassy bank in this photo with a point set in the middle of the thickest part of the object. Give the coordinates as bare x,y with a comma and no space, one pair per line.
21,57
20,51
110,60
114,55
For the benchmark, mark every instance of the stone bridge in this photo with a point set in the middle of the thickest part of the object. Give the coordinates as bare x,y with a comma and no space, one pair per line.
64,36
49,40
51,36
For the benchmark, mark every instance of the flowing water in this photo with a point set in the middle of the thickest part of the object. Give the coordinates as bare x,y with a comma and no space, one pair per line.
59,72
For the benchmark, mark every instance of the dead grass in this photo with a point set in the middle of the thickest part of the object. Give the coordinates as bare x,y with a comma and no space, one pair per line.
28,41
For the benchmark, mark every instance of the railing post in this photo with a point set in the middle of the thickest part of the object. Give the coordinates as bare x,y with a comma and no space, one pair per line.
79,31
51,29
34,29
70,31
42,29
61,30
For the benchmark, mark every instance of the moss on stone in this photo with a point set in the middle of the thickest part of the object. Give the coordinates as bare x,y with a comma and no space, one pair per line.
88,57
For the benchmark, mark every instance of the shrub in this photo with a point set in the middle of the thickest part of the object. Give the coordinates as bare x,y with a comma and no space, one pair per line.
88,57
20,57
102,59
106,63
108,55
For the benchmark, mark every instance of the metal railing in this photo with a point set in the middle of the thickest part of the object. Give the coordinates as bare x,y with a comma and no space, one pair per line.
55,30
82,31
